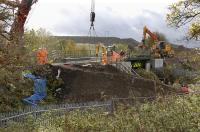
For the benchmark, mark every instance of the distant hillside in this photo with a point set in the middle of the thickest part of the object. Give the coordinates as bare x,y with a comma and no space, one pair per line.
106,40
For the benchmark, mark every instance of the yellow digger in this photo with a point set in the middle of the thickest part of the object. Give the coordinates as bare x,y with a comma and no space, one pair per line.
104,60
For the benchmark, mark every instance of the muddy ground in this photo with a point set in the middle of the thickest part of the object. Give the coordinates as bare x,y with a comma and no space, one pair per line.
101,82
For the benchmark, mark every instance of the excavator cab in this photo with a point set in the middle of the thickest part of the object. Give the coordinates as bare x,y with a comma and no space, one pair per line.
142,45
165,49
108,53
161,45
110,50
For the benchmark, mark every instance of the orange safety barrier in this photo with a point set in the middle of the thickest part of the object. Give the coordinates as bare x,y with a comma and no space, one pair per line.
42,56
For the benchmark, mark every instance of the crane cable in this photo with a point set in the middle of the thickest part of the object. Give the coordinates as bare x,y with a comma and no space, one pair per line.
92,20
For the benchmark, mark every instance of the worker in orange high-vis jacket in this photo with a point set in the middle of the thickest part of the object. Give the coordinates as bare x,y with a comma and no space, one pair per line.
104,59
42,56
115,56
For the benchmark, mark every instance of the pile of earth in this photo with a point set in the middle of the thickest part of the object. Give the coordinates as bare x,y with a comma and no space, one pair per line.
97,82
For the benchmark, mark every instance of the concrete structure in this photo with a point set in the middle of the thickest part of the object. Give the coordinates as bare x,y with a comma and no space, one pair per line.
157,63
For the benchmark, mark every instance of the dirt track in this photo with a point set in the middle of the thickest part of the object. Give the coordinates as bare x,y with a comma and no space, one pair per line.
100,82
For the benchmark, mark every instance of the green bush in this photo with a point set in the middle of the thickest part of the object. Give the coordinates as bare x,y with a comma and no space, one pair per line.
148,75
173,114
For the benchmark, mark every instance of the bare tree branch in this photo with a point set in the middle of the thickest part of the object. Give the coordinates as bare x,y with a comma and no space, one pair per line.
5,36
14,4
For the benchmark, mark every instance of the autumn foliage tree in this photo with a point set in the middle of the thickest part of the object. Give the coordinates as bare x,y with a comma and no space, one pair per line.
186,12
13,15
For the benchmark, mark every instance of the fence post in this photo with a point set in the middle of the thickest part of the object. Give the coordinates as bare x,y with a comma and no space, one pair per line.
34,113
112,106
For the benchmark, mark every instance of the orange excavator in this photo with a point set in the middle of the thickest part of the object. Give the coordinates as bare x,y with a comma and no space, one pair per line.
159,49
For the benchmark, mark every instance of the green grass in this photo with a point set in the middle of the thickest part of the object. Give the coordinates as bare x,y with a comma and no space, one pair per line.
174,114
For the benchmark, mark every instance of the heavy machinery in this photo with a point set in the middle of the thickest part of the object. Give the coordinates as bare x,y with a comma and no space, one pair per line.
104,52
103,48
108,53
159,49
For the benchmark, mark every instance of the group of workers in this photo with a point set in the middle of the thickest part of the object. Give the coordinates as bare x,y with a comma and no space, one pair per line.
40,82
114,57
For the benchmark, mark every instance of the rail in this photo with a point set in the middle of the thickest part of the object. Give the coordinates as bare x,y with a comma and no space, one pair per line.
127,69
55,55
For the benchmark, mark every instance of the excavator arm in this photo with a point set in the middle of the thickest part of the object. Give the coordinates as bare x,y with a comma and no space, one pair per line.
103,48
152,35
159,48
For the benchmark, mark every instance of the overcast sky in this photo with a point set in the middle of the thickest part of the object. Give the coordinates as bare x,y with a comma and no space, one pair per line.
118,18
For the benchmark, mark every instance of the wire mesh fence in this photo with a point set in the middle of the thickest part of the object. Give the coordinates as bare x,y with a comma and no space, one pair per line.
49,115
138,53
137,101
56,54
36,112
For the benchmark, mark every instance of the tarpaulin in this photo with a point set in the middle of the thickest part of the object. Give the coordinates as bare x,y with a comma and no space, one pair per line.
39,89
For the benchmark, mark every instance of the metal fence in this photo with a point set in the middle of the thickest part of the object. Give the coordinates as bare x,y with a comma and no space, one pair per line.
57,110
185,73
127,68
80,53
138,53
53,112
56,54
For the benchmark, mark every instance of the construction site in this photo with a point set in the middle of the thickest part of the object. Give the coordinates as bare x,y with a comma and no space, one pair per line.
40,73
